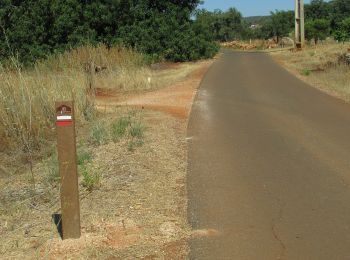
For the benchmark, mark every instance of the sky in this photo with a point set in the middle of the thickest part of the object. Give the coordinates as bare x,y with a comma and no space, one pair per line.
250,7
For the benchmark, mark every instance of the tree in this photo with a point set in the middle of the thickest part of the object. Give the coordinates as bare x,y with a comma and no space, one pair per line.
225,26
279,25
25,29
36,28
345,26
342,34
340,10
317,9
317,30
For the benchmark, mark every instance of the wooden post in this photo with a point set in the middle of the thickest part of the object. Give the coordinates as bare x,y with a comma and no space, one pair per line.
299,24
67,156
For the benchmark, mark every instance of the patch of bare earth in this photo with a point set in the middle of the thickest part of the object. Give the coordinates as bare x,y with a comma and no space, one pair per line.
175,99
138,210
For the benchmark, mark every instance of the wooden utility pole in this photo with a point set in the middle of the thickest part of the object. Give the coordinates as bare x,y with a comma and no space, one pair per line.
299,24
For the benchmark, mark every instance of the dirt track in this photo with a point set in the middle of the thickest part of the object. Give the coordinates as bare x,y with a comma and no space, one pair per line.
175,100
268,165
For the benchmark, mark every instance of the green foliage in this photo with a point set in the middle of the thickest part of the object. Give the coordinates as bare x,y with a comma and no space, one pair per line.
342,34
279,24
136,132
282,23
323,19
317,9
99,134
340,10
51,165
317,30
345,25
224,26
91,177
33,29
305,72
119,128
84,157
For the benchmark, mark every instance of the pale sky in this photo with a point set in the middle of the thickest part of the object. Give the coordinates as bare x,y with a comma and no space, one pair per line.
250,7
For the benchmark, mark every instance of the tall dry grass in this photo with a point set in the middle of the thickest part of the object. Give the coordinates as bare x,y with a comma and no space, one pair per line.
27,96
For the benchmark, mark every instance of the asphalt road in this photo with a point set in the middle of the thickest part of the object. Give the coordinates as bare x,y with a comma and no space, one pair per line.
269,165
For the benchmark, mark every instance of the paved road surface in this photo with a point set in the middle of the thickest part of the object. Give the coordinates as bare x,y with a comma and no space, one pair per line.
269,165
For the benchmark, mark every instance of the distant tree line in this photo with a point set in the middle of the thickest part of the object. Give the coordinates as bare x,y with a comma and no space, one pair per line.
224,26
33,29
325,19
322,19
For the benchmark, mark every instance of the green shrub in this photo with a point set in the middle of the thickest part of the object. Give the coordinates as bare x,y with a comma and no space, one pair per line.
91,179
305,72
159,29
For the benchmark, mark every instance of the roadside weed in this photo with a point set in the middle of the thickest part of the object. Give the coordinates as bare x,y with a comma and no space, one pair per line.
91,178
136,132
305,72
119,128
84,156
99,134
51,165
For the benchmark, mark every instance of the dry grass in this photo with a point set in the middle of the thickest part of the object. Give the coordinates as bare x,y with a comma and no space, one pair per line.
137,211
320,67
27,96
138,207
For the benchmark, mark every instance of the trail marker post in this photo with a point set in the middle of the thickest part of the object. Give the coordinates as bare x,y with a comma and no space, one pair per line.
67,157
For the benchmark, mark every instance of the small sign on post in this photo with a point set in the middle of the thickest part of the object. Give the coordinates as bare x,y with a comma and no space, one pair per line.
67,157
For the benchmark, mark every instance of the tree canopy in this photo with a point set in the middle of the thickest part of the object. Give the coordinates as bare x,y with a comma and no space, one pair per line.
33,29
322,19
224,26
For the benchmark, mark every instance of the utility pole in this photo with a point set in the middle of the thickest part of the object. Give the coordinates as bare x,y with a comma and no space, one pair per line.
299,24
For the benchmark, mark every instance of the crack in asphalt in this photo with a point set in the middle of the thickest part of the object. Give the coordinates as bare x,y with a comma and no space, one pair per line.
274,224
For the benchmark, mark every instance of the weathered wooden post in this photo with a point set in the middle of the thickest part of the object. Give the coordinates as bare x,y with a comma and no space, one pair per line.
67,156
299,24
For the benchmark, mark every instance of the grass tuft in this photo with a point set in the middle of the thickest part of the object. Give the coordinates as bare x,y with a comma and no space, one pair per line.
305,72
99,134
51,165
91,177
119,128
84,157
136,130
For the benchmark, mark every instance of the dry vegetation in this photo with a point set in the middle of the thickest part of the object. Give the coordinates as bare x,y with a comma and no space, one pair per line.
27,96
259,45
132,162
321,66
136,209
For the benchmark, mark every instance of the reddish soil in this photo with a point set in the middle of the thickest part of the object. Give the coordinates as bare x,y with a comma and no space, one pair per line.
175,100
